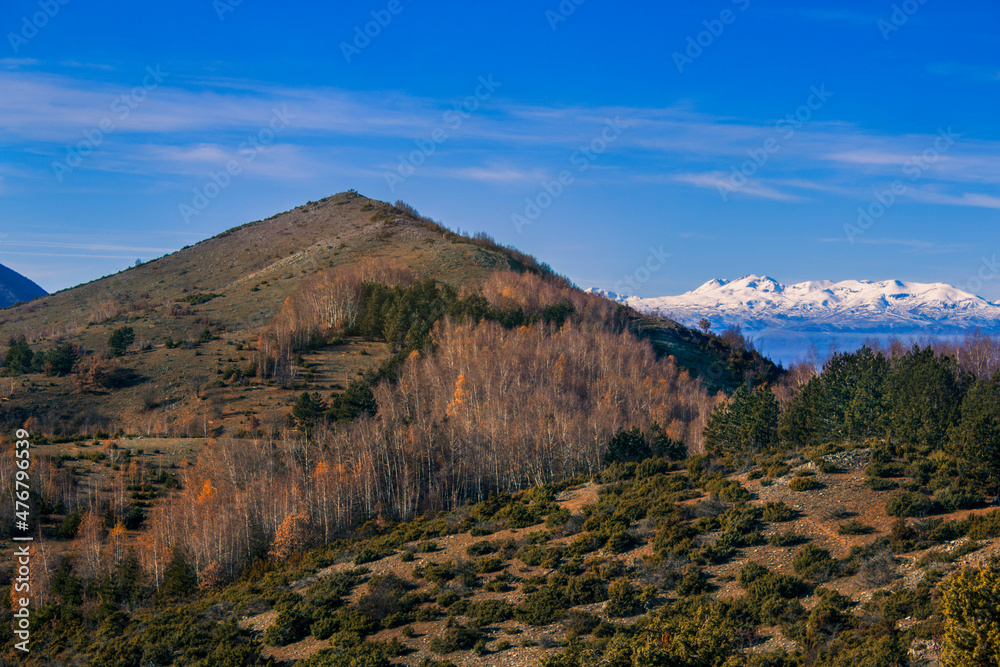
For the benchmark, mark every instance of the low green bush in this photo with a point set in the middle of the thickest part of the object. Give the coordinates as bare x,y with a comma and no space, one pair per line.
778,470
557,519
814,563
456,637
879,484
785,539
958,498
777,512
694,582
490,612
620,542
290,626
885,469
804,484
580,623
480,548
542,607
623,599
488,565
910,504
854,527
728,490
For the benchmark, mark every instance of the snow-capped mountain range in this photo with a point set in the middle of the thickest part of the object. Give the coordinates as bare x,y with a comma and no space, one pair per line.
766,308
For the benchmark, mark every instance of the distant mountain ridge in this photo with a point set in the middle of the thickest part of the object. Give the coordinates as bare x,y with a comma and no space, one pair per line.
791,317
15,288
852,305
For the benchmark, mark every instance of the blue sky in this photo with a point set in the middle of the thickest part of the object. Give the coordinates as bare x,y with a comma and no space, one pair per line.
734,136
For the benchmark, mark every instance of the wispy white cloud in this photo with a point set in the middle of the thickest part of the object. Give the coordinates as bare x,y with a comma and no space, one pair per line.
974,199
915,245
188,126
84,246
720,181
15,63
497,174
61,254
75,63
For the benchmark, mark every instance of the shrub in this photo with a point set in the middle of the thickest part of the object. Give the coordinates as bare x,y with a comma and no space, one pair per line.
585,589
739,524
777,470
694,582
879,484
518,515
786,539
480,548
368,553
581,623
826,467
557,519
544,606
197,298
804,484
487,565
355,620
489,612
984,526
70,524
878,569
447,599
957,498
909,503
812,562
623,598
728,490
651,467
971,606
777,512
384,598
291,625
885,469
120,340
854,527
770,597
619,542
456,637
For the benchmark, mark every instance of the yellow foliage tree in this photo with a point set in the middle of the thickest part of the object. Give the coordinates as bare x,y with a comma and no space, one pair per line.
294,535
117,548
459,396
206,492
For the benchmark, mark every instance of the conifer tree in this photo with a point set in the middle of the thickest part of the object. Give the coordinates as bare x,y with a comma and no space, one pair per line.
746,425
975,438
971,606
922,396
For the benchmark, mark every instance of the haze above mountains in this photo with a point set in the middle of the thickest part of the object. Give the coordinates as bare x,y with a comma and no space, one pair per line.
793,322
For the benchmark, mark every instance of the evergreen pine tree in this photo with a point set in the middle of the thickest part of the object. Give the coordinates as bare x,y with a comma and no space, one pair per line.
975,438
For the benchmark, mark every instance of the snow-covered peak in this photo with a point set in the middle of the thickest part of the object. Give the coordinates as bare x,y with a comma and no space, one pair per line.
846,305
